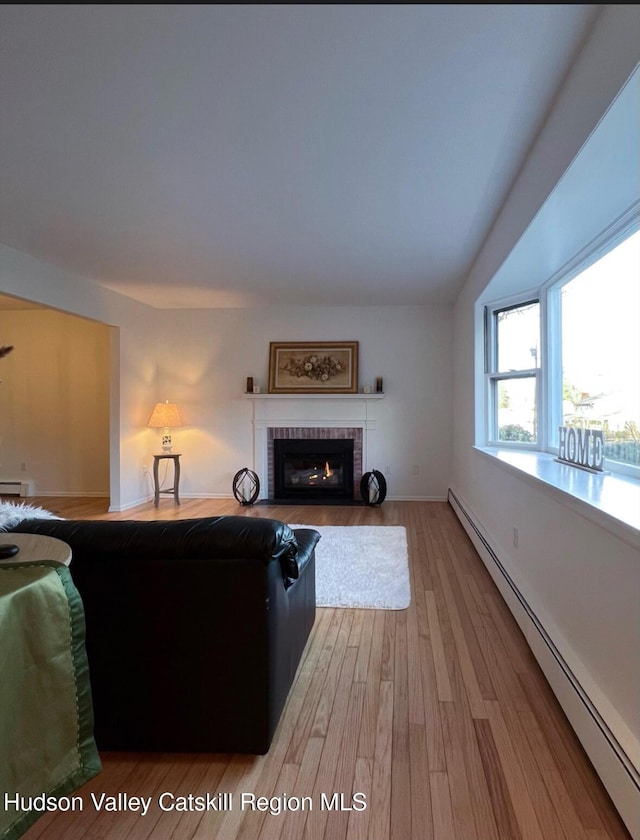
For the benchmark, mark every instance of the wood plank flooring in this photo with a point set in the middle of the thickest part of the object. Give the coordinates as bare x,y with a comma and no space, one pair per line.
438,715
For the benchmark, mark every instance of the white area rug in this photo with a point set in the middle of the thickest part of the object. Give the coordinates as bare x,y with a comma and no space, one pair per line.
365,566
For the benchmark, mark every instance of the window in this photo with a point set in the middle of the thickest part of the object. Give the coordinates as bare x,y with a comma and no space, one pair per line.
582,369
512,372
600,351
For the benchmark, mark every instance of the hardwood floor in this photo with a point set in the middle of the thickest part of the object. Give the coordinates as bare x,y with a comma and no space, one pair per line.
438,714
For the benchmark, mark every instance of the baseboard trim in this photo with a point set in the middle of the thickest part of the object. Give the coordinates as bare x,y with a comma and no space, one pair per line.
222,496
391,498
120,508
92,494
267,501
609,758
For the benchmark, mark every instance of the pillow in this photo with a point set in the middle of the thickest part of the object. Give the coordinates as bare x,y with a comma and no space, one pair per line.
11,514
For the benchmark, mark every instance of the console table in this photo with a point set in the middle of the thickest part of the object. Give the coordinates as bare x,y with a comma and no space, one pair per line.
173,491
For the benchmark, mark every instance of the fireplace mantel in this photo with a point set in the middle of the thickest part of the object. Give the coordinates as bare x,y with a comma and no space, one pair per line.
334,411
314,396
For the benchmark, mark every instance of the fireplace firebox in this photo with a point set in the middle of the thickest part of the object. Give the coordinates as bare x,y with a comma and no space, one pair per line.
313,469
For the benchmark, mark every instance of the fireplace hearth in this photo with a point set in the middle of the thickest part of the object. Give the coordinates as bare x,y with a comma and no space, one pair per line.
313,470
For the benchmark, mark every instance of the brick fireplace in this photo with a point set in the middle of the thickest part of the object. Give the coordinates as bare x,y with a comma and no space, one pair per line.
311,442
313,417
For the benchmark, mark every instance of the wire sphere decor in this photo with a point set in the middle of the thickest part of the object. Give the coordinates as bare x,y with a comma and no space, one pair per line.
246,486
373,488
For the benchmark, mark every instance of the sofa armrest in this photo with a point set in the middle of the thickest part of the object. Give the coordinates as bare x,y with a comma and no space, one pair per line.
307,540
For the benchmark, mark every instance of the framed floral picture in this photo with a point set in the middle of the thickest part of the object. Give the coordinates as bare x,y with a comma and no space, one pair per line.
313,367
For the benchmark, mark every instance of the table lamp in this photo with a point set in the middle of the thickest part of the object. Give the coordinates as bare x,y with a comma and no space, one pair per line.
165,416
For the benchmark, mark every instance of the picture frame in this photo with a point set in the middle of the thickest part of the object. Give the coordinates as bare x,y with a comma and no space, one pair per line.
313,367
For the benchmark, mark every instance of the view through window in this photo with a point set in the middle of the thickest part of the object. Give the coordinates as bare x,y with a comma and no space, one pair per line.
517,338
601,350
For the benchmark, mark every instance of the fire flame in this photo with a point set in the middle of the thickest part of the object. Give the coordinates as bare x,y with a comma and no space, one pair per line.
328,472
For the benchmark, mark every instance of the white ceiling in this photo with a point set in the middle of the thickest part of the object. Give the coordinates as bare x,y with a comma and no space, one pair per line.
248,155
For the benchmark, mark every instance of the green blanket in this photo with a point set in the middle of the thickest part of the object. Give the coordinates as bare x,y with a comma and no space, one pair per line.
46,715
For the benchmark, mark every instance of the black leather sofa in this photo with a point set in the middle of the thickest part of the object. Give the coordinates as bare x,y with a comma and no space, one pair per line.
195,628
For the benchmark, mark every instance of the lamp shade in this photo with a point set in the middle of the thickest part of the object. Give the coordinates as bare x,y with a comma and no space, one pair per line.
165,415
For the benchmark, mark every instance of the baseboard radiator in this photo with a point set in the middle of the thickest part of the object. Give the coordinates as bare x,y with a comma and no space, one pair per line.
16,488
612,764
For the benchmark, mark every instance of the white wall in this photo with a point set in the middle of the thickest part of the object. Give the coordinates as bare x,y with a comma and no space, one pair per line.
205,356
580,580
201,358
54,402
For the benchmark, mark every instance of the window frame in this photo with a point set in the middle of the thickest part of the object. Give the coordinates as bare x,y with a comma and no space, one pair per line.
493,376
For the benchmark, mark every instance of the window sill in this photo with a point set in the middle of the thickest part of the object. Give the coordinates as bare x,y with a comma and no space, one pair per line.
611,501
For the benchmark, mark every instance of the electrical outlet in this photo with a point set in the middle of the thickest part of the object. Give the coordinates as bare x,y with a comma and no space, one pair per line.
145,469
23,466
515,537
415,470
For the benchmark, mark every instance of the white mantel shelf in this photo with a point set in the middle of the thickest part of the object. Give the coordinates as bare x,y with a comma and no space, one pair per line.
314,396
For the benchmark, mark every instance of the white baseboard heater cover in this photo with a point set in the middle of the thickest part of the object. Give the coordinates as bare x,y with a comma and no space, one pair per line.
15,488
615,769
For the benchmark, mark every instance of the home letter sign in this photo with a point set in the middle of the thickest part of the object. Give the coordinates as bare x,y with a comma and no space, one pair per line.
582,448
